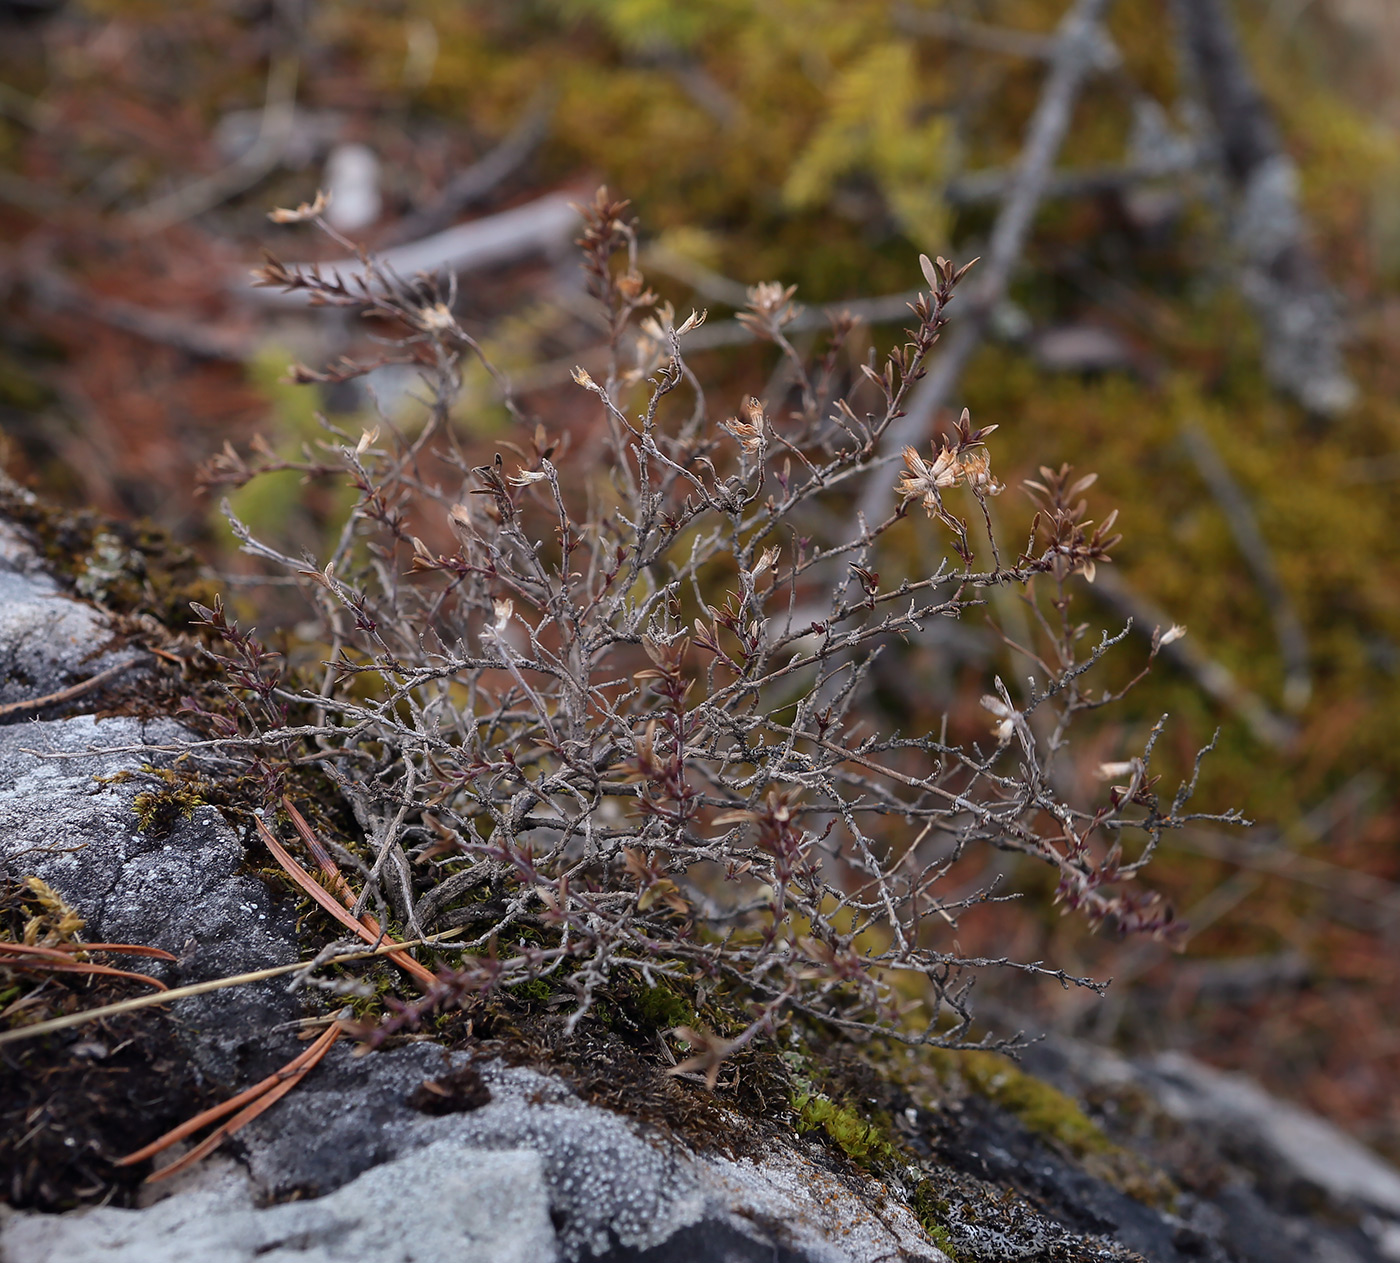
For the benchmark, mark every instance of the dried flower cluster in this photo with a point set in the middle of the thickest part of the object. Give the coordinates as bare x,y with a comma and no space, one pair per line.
621,727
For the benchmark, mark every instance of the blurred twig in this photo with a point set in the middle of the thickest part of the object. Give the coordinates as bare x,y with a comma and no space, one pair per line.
480,179
1288,629
1076,43
1213,678
32,704
279,114
981,187
1004,41
492,241
58,293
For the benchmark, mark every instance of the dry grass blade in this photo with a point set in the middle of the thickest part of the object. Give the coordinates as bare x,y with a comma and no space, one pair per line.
293,1069
196,988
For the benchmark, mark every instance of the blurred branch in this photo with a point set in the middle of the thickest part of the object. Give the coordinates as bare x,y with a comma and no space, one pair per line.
1268,853
704,281
482,178
57,293
279,114
1211,676
1278,275
1002,40
993,185
1076,42
536,227
1288,629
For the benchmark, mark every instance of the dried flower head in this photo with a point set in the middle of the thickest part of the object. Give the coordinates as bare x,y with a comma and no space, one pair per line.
770,309
750,425
307,210
961,459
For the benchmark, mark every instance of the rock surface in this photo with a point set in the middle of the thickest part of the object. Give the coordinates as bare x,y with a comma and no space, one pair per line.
48,641
181,892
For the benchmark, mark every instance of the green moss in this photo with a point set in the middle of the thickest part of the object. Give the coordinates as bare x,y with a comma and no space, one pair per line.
861,1140
865,1139
1047,1112
662,1007
132,568
158,810
533,990
1044,1110
931,1211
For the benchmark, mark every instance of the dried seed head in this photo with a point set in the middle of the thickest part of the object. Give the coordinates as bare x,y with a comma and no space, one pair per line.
770,555
750,426
437,319
307,210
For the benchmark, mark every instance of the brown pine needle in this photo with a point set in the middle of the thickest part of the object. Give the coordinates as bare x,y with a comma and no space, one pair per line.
67,949
285,1080
262,1096
318,851
367,927
63,965
293,1068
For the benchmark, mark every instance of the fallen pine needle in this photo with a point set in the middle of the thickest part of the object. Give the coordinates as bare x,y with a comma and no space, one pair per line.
288,1074
67,949
366,927
64,965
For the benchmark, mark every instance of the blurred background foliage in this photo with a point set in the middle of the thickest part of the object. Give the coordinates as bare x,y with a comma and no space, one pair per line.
824,143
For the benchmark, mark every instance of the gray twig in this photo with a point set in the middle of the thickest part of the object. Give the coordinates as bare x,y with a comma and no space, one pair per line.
1288,628
479,180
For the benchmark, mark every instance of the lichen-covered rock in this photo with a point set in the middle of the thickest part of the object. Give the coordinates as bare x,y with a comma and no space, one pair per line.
479,1207
532,1173
180,890
48,641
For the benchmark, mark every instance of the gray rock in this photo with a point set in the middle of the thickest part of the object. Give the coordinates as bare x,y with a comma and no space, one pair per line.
611,1185
570,1180
182,892
48,641
1294,1141
445,1202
